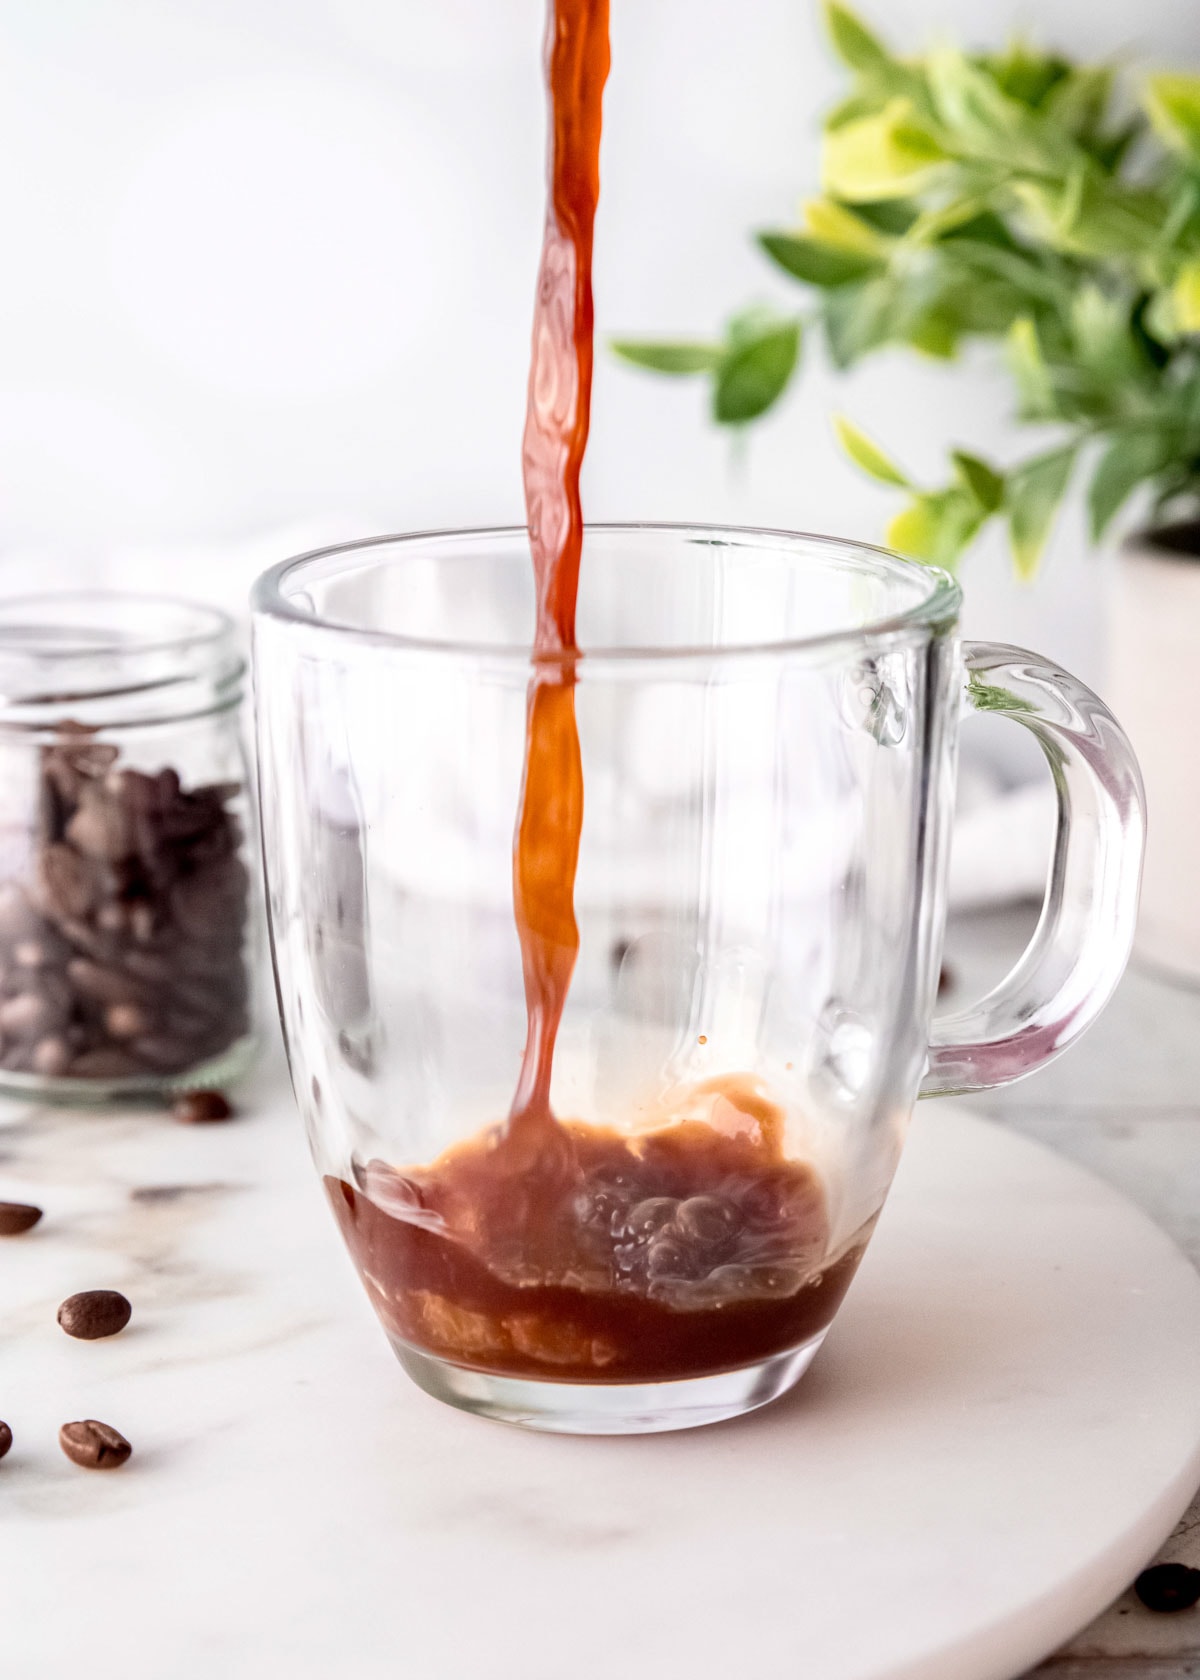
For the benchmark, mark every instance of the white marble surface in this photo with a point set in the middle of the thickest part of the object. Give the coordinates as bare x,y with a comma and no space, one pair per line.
1003,1424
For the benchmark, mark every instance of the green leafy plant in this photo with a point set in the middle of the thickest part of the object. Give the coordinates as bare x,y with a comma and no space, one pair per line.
1011,197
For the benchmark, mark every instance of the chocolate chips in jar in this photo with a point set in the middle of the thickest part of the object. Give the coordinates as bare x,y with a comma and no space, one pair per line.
122,948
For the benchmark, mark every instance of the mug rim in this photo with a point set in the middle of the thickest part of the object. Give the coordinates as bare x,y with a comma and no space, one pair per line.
937,610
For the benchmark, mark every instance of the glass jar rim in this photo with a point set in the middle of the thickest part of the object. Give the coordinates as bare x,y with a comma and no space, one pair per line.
134,658
936,609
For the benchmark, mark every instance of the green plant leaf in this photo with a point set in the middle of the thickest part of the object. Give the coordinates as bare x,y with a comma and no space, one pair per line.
677,358
936,526
985,123
1027,75
1173,104
853,41
1128,461
1032,496
1185,297
889,155
1101,337
755,370
833,224
866,454
1035,389
815,263
1079,100
984,483
857,320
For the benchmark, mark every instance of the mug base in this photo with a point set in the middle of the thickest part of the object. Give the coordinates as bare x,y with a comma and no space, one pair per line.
565,1408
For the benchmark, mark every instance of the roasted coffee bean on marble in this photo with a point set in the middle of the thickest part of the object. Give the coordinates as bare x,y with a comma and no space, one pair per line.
94,1313
94,1445
200,1107
1167,1587
6,1439
18,1217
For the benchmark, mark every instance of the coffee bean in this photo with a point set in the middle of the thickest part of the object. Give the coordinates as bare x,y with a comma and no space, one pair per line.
947,980
142,922
5,1439
18,918
101,827
217,793
124,957
43,950
28,1015
18,1217
126,1020
195,1107
105,1062
159,1050
94,1445
104,985
1167,1587
68,887
50,1057
94,1313
149,965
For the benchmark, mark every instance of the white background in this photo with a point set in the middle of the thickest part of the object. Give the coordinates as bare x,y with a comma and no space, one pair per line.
268,268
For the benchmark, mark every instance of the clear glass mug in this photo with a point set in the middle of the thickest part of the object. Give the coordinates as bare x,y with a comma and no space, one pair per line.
768,728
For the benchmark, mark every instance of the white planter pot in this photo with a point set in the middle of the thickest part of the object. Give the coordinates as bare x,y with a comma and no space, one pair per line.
1154,654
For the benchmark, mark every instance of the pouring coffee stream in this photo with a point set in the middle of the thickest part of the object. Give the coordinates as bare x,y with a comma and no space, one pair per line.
556,1248
550,813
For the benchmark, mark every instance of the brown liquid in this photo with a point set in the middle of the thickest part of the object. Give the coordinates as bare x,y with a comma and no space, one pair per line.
550,814
694,1248
562,1250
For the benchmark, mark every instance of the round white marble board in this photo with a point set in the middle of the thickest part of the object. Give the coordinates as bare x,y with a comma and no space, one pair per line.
1001,1428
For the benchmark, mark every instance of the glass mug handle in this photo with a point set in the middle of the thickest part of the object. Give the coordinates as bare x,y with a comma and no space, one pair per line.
1079,949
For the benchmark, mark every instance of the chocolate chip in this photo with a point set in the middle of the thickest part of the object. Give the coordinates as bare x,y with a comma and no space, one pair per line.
17,1217
94,1445
5,1439
1167,1587
194,1107
94,1313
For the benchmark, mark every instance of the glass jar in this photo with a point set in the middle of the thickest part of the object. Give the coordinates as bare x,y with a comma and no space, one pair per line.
127,933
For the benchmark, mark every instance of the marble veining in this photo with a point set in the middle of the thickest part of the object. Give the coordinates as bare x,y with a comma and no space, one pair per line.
295,1506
